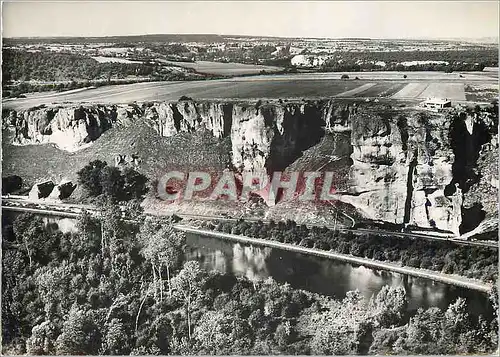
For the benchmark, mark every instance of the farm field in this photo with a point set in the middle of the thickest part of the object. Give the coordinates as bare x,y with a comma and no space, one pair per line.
420,90
215,89
481,91
224,69
384,89
310,85
102,59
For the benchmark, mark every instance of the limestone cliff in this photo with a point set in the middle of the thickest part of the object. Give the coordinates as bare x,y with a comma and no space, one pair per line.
398,165
69,128
407,168
169,118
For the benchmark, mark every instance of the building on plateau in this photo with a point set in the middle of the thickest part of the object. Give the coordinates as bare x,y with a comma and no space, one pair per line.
436,104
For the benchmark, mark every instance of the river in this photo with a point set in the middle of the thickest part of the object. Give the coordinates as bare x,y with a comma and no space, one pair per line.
311,273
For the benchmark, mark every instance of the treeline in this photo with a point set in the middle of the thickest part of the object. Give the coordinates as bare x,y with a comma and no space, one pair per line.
78,71
344,66
18,90
458,60
119,289
486,57
254,55
473,262
20,65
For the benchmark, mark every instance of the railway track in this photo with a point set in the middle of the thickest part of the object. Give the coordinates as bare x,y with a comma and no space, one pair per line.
73,211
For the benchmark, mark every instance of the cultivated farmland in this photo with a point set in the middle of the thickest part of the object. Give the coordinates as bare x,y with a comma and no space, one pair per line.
223,69
307,85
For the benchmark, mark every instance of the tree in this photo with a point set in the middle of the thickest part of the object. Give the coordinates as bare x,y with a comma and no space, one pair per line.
162,246
388,306
54,288
422,333
213,333
284,334
116,340
99,178
28,230
11,183
187,283
42,339
90,177
134,184
342,328
112,183
80,335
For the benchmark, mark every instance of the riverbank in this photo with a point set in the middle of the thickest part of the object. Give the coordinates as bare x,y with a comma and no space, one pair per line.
369,263
451,279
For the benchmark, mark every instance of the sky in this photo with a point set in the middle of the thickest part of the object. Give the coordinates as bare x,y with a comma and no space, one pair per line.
335,19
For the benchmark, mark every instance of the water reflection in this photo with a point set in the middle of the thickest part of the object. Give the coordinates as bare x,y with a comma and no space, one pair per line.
324,276
65,225
320,275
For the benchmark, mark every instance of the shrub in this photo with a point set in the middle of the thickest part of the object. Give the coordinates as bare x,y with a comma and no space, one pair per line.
98,178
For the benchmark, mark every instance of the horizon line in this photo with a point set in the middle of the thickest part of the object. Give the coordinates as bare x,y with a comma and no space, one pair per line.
256,36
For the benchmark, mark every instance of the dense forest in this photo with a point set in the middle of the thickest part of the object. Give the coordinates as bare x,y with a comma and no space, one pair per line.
486,57
117,287
458,60
48,66
463,60
77,71
473,262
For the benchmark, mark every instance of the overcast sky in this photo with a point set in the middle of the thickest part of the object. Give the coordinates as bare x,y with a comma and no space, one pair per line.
374,19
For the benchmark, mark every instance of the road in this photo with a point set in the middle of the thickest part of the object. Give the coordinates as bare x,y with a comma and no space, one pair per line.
73,210
455,280
369,263
419,273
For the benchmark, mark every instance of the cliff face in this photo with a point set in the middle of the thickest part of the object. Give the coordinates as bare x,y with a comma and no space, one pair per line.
187,116
378,176
403,166
408,168
263,137
69,128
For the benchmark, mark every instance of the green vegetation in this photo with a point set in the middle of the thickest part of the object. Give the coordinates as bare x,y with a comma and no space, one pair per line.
116,288
463,60
473,262
121,185
72,71
159,154
47,66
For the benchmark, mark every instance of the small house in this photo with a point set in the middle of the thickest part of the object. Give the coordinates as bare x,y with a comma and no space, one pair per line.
436,104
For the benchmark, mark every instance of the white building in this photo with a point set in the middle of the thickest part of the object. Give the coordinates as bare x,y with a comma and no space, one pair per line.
308,60
436,104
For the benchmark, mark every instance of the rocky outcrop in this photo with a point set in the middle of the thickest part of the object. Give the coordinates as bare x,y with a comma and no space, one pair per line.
169,118
41,190
271,137
62,191
69,128
405,169
378,175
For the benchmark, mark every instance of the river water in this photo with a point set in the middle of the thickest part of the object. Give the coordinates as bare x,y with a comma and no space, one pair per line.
311,273
323,276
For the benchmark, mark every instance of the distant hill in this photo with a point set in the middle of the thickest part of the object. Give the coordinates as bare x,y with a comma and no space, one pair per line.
118,39
210,38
